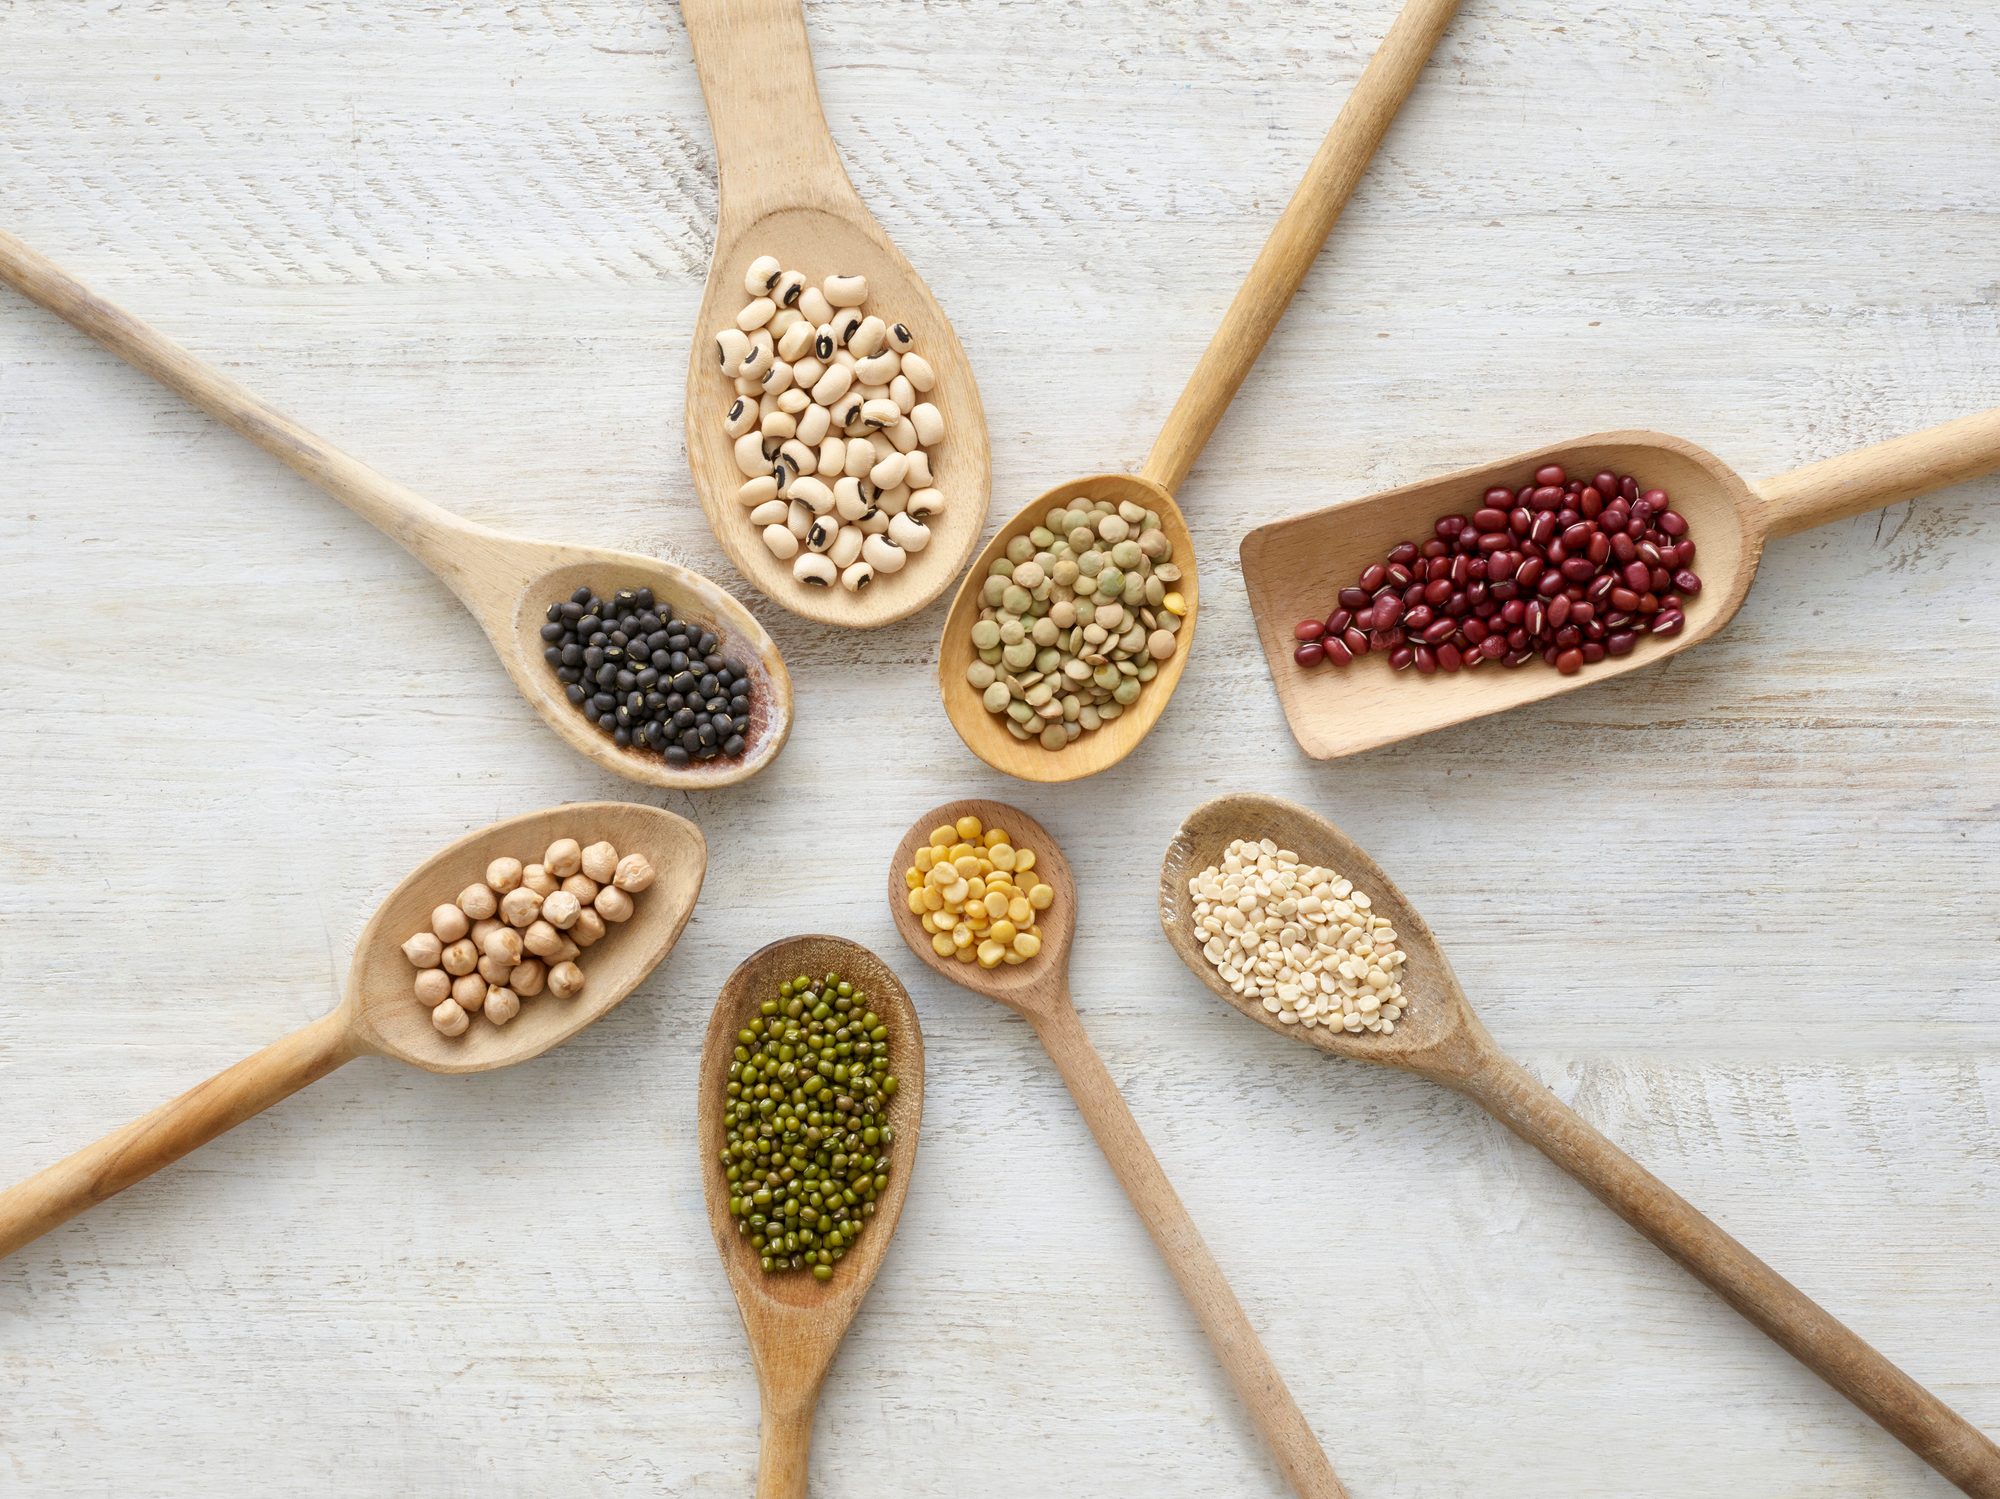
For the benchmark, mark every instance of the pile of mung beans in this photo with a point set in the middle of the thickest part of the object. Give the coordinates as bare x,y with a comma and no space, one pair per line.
977,894
1570,570
832,427
1075,619
521,929
806,1149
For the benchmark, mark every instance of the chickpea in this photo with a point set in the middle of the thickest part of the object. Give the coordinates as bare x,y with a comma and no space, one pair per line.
460,958
634,873
561,910
583,887
450,1018
502,1004
478,902
528,978
600,862
449,923
589,927
537,878
565,981
433,988
424,950
541,939
481,930
493,970
613,904
563,858
568,952
469,991
520,907
504,875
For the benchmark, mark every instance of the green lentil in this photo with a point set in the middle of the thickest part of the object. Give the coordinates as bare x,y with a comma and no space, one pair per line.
807,1130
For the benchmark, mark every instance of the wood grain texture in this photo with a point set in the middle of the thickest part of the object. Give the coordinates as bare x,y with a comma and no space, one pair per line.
470,243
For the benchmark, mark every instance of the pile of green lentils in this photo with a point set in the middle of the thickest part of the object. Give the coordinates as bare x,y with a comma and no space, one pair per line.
807,1144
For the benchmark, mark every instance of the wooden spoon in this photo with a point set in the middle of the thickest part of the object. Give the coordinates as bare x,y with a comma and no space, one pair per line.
785,193
1039,990
794,1322
1292,568
378,1012
506,582
1440,1038
1262,299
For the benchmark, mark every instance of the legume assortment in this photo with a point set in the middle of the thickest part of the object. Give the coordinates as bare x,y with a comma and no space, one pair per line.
520,930
1075,620
808,1134
977,895
832,425
648,679
1570,570
1299,938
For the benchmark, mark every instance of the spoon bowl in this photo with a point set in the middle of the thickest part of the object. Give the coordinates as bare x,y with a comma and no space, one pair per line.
1292,568
1440,1037
785,193
378,1013
506,582
794,1322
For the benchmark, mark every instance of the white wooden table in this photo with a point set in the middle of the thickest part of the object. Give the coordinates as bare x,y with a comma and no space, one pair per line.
1740,910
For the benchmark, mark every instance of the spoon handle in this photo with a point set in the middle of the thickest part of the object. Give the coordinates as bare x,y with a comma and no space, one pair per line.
1299,1455
1911,1413
784,1447
1296,239
59,1192
772,147
1885,474
425,530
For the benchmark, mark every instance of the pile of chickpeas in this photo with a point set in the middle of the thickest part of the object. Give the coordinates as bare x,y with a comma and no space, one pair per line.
521,930
977,895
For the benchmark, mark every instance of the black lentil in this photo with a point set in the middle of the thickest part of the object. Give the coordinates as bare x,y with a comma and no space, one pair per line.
648,679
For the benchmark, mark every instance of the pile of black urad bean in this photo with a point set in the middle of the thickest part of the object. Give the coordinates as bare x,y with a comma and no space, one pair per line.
649,680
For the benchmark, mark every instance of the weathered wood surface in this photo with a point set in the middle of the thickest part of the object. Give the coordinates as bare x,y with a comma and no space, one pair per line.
1739,911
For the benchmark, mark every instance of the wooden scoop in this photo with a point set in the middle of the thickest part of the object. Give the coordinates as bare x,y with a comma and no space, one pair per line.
1293,568
1039,990
785,193
378,1013
1258,305
794,1322
1440,1038
507,582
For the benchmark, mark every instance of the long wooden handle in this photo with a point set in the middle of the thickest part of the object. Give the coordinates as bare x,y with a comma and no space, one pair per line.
1885,474
1911,1413
772,147
784,1447
426,530
1299,1455
131,1154
1294,243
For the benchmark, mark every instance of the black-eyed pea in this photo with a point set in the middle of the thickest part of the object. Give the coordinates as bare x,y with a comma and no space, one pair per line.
877,369
794,341
924,503
450,923
600,861
814,307
778,424
902,432
613,904
929,422
780,543
565,981
846,322
831,386
918,371
758,491
561,910
588,929
751,461
763,353
889,472
826,530
502,1004
796,459
813,426
771,513
750,388
519,907
789,291
783,320
893,501
450,1018
883,554
832,457
433,987
869,338
541,939
857,576
910,535
503,944
755,314
732,346
796,401
741,416
469,990
860,458
847,417
874,522
880,413
633,873
901,339
814,493
848,501
903,393
846,549
799,519
762,276
424,950
528,978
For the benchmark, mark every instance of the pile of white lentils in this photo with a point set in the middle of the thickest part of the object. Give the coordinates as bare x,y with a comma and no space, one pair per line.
833,432
1298,938
520,930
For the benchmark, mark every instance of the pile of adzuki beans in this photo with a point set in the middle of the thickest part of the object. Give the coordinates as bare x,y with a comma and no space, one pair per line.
1570,570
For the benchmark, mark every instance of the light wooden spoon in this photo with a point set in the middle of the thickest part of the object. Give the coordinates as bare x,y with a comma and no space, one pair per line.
785,193
1292,568
506,582
378,1013
794,1322
1440,1038
1258,305
1039,990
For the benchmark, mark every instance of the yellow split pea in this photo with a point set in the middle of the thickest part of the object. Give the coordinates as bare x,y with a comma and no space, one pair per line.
978,895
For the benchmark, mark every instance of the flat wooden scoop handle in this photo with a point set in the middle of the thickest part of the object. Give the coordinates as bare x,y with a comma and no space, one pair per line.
784,1448
1885,474
1299,1455
424,529
1295,241
1911,1413
59,1193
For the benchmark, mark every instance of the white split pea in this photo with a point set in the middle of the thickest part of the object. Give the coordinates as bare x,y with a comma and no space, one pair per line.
825,394
1298,938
